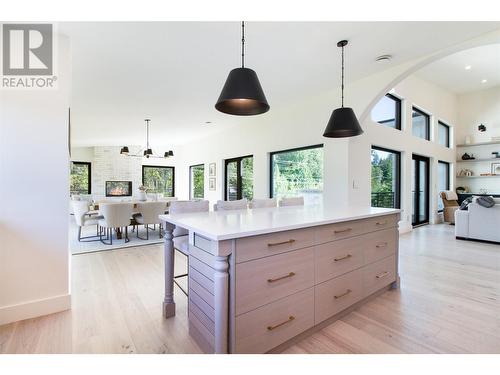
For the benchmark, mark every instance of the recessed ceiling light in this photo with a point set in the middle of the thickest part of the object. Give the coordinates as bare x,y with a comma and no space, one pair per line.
384,58
484,81
468,67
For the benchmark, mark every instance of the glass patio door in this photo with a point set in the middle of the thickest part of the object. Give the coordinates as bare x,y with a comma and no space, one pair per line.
420,190
239,178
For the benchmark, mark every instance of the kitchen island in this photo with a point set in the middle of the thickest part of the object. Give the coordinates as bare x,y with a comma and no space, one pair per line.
260,277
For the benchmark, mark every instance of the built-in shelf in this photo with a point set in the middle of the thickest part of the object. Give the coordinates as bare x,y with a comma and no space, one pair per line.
477,160
495,176
480,144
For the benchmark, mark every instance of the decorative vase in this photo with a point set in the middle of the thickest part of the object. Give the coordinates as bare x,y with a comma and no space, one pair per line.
142,196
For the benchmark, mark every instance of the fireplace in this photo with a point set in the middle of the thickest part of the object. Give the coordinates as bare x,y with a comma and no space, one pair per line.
118,188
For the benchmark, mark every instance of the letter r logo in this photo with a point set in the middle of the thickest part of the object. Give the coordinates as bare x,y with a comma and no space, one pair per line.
27,49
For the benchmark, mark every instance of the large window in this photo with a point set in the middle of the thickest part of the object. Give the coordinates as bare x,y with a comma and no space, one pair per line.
386,183
196,181
388,112
421,124
80,178
443,134
159,179
298,172
239,178
443,181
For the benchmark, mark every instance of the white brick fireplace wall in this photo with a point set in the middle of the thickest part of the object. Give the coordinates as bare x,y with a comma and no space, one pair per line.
109,165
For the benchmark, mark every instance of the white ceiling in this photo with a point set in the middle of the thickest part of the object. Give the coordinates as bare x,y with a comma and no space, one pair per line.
173,72
450,72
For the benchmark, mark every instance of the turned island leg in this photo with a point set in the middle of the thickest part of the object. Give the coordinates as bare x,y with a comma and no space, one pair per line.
221,299
169,256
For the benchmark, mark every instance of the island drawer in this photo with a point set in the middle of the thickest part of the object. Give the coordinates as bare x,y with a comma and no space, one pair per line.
332,232
379,274
335,258
331,297
261,281
271,325
380,245
250,248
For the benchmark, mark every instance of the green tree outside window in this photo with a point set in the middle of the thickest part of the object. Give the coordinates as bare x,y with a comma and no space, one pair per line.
158,179
197,181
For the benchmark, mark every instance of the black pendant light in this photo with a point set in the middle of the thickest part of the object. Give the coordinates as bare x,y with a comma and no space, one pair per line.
242,94
343,121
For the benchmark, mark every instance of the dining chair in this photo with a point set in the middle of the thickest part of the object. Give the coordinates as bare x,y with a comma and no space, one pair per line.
293,201
181,235
262,203
231,205
148,213
115,215
82,219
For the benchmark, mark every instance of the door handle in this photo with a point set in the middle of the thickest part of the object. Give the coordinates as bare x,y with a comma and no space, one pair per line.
290,318
290,241
343,294
342,230
342,258
291,274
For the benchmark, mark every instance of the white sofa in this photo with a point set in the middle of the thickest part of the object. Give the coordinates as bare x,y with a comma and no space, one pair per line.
478,223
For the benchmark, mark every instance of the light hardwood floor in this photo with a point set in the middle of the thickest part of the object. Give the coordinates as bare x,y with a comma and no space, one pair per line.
449,302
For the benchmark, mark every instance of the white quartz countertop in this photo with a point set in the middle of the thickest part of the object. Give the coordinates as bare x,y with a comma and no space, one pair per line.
225,225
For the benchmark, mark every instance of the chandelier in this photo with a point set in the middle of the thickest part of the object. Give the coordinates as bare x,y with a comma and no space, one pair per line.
146,152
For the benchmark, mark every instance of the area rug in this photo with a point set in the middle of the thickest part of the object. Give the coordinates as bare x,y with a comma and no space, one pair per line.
77,247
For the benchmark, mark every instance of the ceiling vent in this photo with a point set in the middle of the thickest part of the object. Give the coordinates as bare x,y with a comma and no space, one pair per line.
384,58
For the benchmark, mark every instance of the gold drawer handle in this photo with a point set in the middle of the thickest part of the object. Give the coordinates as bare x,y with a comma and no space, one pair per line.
281,278
342,230
383,274
380,245
290,241
343,294
290,318
344,257
382,222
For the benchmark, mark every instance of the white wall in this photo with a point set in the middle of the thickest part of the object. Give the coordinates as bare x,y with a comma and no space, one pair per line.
479,107
34,258
475,108
441,105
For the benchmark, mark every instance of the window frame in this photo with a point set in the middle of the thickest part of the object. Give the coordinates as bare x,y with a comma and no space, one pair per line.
89,165
427,117
398,103
239,184
397,193
441,123
271,169
448,179
191,180
164,167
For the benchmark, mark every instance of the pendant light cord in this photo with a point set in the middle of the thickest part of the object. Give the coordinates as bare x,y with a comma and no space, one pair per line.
242,44
147,134
342,76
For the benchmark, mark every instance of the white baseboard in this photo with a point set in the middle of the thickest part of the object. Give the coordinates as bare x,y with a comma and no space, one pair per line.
33,309
405,227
